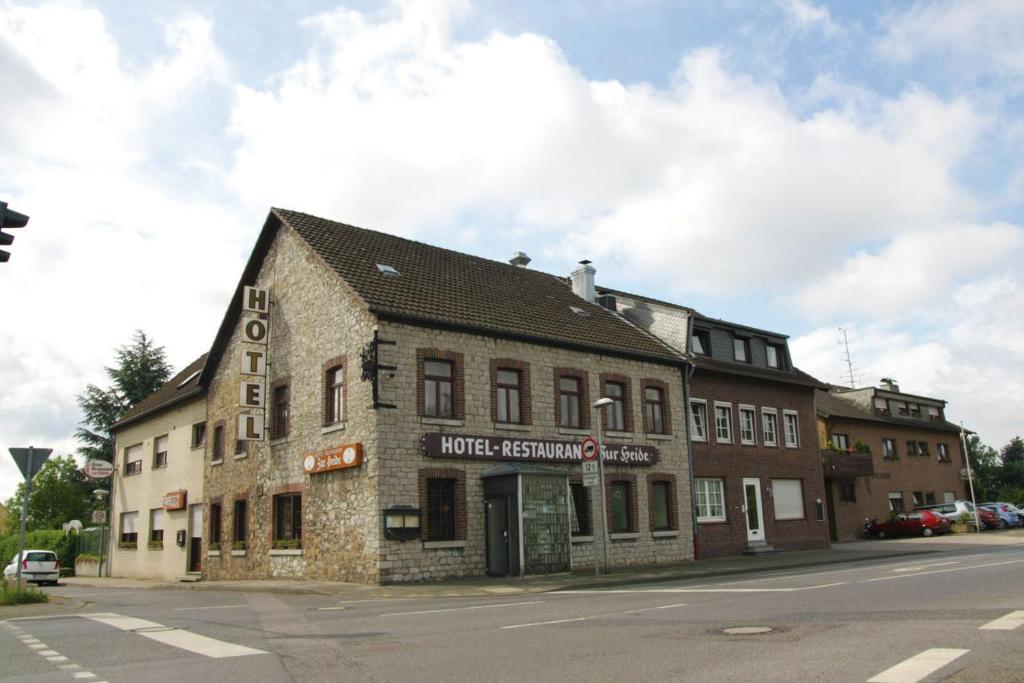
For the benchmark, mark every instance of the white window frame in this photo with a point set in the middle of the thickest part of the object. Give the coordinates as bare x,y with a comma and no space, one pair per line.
896,495
701,497
765,414
780,489
785,428
693,425
728,438
750,410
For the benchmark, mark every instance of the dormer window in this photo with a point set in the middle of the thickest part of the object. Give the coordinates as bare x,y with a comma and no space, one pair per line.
773,356
741,349
701,343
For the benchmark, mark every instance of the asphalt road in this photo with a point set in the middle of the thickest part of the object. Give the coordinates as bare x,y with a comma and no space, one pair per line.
950,616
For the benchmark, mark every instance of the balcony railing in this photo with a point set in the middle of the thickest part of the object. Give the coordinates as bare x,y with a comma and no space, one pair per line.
846,464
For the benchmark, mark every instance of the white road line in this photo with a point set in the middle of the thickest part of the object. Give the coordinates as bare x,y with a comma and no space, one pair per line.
183,609
185,640
83,674
919,666
707,590
462,609
940,571
58,658
330,609
595,616
1005,623
47,653
919,567
38,646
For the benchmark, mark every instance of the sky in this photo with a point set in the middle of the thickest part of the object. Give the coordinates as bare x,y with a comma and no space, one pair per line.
791,165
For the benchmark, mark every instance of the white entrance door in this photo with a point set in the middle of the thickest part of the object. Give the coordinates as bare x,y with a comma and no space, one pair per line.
752,506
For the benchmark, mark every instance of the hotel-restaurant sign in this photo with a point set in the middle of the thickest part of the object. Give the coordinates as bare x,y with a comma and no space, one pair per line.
338,458
175,500
438,445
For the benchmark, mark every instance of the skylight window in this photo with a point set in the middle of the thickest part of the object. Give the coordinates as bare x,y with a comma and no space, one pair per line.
189,378
578,311
390,271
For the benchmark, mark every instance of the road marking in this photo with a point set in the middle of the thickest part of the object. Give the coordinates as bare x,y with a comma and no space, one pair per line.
707,590
38,646
58,658
330,609
919,666
83,674
182,609
924,566
47,653
185,640
595,616
463,609
1005,623
940,571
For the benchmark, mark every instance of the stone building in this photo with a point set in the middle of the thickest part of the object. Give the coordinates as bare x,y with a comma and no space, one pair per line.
389,411
757,475
885,451
156,505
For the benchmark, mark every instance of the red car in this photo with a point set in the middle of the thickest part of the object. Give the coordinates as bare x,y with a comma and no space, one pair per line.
917,523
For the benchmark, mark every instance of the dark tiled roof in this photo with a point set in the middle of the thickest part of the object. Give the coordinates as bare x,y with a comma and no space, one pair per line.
173,391
830,405
794,376
442,287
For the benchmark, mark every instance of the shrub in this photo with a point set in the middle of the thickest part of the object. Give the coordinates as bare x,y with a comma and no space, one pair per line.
12,595
41,539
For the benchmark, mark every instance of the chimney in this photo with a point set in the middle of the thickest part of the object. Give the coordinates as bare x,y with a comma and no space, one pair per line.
889,384
583,281
519,259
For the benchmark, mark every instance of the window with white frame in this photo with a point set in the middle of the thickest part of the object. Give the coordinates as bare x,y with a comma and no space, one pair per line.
770,426
133,459
792,428
788,497
698,419
896,501
748,435
723,422
709,495
943,451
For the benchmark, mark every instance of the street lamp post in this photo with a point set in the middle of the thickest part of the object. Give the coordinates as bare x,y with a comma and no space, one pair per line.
100,495
600,404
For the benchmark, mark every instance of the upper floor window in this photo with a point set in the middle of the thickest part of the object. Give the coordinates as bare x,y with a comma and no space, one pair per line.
747,429
791,422
701,342
133,459
218,443
770,426
723,422
741,349
569,402
654,409
699,420
509,383
911,448
437,388
616,412
160,451
334,407
198,434
840,442
922,448
889,450
280,411
774,356
129,527
943,451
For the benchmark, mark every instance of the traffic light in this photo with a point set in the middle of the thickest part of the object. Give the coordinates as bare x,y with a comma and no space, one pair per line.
9,219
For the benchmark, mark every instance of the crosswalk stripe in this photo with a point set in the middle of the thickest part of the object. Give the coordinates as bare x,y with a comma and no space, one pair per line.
919,666
1005,623
185,640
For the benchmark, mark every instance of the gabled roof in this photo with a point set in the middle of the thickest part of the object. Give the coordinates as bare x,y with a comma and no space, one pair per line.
830,405
795,376
438,287
181,387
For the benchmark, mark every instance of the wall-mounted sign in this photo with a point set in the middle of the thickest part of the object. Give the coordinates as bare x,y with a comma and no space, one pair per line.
254,362
314,462
251,393
99,516
437,445
98,469
175,500
255,300
250,427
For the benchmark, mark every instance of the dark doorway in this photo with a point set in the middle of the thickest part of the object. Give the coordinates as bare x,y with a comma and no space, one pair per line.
830,501
498,535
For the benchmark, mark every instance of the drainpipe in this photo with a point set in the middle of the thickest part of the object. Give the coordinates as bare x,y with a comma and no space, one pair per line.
687,371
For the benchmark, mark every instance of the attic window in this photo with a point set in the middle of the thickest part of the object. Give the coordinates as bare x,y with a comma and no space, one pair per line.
189,378
578,311
390,271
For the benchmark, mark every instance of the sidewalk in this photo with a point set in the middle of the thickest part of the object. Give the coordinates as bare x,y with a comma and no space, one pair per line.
484,586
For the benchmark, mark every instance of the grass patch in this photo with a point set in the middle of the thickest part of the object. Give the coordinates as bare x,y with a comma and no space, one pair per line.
12,595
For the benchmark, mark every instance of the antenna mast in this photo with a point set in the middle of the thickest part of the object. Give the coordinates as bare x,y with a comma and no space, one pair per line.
849,360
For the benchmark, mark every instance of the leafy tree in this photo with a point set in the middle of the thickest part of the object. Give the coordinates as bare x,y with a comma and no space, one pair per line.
141,368
1013,451
60,493
985,463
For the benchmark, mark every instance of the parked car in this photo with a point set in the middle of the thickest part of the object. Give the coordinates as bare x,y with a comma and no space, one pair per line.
1017,514
38,566
1006,517
956,509
917,523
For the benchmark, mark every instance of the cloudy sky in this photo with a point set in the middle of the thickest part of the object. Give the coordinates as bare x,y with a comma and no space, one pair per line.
791,165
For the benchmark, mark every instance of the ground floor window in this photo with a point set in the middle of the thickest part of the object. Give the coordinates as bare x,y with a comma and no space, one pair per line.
662,505
710,498
240,520
156,525
847,492
788,495
288,520
895,501
948,496
441,509
580,509
621,494
215,519
129,528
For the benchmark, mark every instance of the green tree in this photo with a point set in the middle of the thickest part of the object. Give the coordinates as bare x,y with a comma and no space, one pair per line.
1013,451
987,467
60,493
141,369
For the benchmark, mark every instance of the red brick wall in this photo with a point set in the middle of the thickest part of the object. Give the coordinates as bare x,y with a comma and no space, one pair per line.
734,462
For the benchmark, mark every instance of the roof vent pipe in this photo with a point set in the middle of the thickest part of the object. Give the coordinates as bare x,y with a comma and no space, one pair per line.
583,281
519,259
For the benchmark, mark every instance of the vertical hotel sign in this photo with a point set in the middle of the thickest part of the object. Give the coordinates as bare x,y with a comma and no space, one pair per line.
252,390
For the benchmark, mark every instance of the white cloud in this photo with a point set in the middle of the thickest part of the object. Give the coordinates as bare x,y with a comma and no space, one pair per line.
807,15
